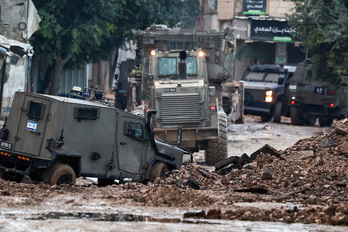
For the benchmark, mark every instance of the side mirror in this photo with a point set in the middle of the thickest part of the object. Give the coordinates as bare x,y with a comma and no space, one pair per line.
179,135
280,80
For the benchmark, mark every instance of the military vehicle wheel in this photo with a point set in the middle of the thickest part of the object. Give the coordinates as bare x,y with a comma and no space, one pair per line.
310,120
11,177
157,170
217,149
296,118
277,112
35,176
266,118
102,182
325,121
60,174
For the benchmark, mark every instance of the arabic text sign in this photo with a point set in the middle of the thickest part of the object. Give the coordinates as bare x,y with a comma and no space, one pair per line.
254,7
271,31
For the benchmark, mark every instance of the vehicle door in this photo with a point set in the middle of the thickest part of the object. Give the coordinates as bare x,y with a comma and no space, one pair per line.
131,144
32,124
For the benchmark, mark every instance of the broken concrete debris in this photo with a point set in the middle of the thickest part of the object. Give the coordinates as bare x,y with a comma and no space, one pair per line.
307,176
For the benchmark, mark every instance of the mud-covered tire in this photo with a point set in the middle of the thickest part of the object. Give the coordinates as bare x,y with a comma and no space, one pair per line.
310,120
295,117
325,121
277,112
157,170
266,118
60,174
36,176
217,149
11,177
102,182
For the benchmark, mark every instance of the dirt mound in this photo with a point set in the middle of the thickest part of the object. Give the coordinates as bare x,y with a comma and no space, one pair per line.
313,172
311,176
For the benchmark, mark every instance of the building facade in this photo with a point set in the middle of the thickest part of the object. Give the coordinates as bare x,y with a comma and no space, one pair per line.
18,21
257,32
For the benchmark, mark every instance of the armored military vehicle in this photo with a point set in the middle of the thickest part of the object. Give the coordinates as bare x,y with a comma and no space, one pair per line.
265,91
182,75
57,139
311,98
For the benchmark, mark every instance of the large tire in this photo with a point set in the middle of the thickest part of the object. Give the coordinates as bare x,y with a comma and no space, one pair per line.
325,121
157,170
60,174
266,118
310,120
217,149
296,118
277,112
11,177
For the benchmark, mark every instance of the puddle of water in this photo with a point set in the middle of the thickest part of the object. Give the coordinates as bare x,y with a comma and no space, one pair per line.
91,221
90,216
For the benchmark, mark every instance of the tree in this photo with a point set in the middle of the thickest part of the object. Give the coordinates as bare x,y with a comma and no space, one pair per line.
322,26
80,31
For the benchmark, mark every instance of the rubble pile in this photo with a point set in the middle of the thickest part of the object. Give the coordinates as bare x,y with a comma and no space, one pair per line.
313,172
311,176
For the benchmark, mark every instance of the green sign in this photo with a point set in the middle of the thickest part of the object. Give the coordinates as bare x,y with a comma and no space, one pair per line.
254,12
282,39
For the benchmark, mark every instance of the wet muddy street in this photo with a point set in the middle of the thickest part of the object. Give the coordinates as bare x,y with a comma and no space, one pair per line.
293,179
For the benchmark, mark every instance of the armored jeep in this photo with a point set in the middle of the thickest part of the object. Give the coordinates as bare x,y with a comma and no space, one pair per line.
312,99
265,91
57,139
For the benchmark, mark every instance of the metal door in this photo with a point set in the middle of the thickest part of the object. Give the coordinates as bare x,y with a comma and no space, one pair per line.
131,145
32,125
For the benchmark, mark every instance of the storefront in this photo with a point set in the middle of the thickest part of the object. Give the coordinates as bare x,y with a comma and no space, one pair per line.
263,40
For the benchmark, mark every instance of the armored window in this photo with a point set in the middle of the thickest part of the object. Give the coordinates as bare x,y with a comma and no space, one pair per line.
86,113
35,109
167,66
135,130
191,65
273,77
309,74
254,76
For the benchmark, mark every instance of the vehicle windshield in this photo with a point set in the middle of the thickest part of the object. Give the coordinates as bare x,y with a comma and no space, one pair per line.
191,66
273,77
168,66
254,76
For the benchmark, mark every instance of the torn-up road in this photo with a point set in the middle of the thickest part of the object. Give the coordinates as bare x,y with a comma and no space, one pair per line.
306,183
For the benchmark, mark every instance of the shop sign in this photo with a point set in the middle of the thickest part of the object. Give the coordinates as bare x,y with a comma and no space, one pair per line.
278,31
254,7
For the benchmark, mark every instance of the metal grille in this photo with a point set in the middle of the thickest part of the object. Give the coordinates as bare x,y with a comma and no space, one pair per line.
180,108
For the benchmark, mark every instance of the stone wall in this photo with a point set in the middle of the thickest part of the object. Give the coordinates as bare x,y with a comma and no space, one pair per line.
14,15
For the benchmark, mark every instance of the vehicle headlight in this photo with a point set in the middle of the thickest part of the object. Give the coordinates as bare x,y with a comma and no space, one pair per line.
269,96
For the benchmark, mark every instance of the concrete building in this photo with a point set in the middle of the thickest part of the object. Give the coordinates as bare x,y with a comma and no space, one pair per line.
18,21
257,33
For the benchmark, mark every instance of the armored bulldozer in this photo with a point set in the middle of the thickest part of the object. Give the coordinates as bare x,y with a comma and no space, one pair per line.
57,139
182,76
311,98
